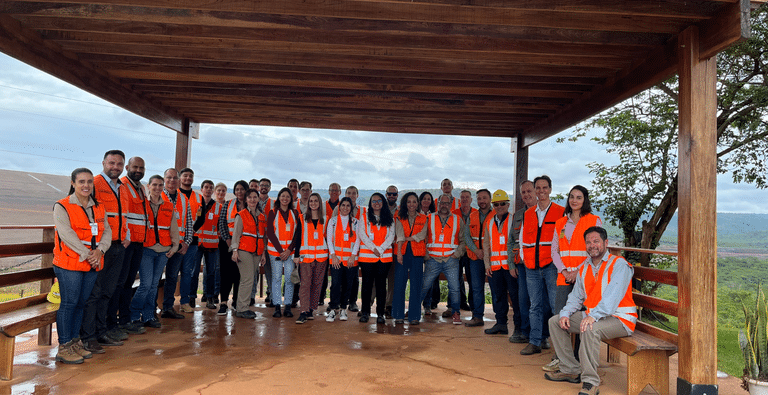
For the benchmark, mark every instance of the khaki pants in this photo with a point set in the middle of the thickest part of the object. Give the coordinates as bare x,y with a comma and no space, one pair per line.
589,351
248,265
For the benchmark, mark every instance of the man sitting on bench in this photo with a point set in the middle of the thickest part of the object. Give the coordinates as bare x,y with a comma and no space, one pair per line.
604,288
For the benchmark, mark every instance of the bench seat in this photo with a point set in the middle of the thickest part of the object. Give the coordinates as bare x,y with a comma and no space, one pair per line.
647,361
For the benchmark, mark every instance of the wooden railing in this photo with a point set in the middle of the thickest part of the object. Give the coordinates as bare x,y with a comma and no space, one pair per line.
651,302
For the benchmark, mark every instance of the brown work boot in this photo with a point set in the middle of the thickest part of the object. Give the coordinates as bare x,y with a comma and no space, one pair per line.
530,349
588,389
474,322
560,376
77,347
447,313
67,355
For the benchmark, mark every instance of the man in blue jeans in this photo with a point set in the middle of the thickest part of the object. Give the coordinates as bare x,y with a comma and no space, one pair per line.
536,235
473,233
184,216
444,247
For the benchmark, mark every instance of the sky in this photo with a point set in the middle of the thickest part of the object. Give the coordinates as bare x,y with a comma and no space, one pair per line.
49,126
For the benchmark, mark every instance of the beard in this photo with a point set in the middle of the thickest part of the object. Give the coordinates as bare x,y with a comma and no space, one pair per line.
135,176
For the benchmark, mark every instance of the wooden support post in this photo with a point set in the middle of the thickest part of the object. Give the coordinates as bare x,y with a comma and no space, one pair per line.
183,146
521,171
7,349
697,219
44,333
648,367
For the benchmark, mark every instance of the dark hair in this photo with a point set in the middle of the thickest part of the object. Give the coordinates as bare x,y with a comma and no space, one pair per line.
253,180
293,180
170,168
186,170
242,183
403,213
301,185
75,173
543,177
206,182
348,200
155,177
484,190
599,229
288,191
385,216
267,180
431,201
586,208
114,152
250,191
308,218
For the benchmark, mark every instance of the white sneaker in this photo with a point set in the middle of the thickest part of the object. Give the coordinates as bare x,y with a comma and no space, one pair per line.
343,315
552,366
331,316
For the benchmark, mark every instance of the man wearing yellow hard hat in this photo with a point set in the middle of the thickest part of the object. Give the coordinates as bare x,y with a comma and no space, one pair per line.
498,257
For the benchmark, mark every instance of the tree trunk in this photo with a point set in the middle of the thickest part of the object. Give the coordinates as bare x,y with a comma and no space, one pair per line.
655,227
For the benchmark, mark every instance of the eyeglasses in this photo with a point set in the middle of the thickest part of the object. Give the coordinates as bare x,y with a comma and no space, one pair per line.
500,204
391,193
376,201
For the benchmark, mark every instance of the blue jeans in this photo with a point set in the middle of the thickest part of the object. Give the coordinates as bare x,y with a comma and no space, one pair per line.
542,283
132,260
188,264
150,271
74,287
211,276
502,284
525,302
450,268
477,278
278,267
413,267
172,269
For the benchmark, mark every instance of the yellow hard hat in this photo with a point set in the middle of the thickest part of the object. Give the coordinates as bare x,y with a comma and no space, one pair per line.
54,296
499,196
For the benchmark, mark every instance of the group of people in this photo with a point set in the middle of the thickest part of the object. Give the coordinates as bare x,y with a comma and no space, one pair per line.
547,261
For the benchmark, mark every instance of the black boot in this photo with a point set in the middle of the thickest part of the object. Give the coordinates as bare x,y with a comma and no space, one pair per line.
287,311
277,313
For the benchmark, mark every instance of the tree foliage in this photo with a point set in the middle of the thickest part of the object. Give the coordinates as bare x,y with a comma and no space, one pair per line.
640,192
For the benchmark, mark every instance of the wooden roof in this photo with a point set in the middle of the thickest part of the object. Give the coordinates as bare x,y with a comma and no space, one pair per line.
527,68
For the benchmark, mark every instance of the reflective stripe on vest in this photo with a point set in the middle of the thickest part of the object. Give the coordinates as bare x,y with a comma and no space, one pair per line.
377,234
313,248
573,252
159,230
207,235
113,206
594,288
536,240
499,255
443,240
65,257
180,206
231,214
419,248
252,239
285,236
342,248
135,213
474,230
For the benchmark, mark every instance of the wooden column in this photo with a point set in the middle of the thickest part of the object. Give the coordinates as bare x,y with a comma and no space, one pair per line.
184,143
521,171
697,219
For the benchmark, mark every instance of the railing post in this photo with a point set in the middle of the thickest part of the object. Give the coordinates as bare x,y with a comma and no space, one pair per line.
46,260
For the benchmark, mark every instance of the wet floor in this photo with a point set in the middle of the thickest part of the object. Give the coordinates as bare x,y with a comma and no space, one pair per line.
210,354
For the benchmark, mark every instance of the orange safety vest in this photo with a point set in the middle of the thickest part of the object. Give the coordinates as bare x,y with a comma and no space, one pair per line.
594,286
254,229
115,205
419,248
574,252
231,214
181,211
283,230
159,230
537,241
499,256
267,206
329,210
136,214
207,235
474,230
195,202
313,245
342,247
443,240
377,234
362,213
65,257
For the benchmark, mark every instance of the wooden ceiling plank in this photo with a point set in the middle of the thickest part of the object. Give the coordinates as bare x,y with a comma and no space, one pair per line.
27,47
266,11
731,25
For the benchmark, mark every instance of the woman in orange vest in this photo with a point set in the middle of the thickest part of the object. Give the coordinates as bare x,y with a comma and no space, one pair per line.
161,242
82,238
433,295
343,247
248,248
314,257
229,275
376,232
283,242
411,232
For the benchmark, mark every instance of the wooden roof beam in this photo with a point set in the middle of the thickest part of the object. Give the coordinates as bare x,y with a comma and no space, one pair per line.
28,47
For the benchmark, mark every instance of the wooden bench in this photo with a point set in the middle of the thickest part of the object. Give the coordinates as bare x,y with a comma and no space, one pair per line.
649,348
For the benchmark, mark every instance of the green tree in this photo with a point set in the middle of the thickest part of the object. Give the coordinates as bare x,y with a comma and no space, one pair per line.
640,193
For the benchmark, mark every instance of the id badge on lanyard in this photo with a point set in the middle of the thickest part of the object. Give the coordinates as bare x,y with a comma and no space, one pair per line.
210,215
502,239
346,236
94,229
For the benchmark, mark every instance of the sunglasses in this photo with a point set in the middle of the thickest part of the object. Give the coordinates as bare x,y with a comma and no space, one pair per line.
376,201
391,193
500,204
